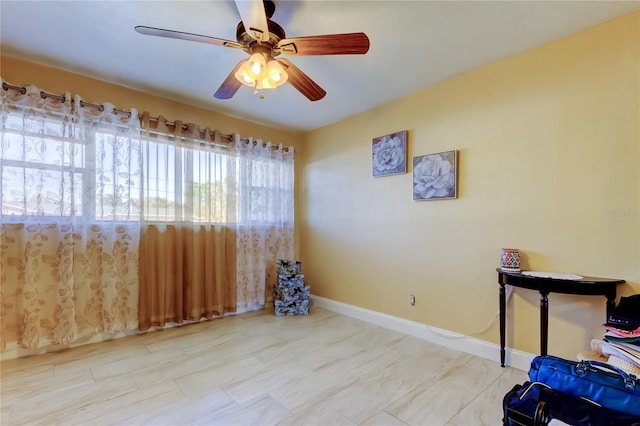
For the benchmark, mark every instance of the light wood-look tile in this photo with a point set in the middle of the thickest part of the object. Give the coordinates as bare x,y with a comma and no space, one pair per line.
479,410
184,410
257,369
383,418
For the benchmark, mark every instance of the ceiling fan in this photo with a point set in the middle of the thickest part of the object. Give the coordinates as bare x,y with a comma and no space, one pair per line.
264,41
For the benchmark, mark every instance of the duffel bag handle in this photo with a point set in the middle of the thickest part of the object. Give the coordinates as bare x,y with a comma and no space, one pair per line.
583,366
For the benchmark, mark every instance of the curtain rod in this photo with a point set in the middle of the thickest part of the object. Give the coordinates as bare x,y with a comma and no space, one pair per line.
185,127
100,107
61,98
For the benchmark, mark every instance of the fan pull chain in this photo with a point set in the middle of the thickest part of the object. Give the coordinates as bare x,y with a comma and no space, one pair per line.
257,91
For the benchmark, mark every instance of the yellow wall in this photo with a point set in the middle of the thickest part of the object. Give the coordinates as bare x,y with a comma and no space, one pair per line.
19,72
548,145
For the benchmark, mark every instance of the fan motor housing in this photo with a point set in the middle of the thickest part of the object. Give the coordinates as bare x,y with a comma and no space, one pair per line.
276,33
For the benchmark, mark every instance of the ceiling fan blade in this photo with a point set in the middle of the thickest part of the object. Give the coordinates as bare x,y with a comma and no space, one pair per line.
160,32
254,18
302,82
330,44
230,85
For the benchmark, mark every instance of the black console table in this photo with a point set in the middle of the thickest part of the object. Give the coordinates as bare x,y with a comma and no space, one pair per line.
587,286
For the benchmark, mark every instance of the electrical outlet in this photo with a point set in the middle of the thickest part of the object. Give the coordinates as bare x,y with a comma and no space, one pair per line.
412,299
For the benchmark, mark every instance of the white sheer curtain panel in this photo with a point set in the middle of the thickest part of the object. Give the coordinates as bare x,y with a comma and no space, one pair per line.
264,180
69,224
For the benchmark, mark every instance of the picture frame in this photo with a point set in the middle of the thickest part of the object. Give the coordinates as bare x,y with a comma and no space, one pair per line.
435,176
389,154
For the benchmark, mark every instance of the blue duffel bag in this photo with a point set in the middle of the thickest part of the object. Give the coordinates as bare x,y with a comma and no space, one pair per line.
597,381
536,404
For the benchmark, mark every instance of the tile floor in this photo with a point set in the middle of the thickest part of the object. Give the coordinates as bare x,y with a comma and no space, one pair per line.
257,369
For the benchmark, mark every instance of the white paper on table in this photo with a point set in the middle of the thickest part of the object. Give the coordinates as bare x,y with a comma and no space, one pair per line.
554,275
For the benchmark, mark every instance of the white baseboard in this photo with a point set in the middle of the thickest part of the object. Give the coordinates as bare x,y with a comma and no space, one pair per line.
514,358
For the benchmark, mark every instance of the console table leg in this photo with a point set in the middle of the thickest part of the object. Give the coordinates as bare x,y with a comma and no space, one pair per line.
502,323
544,322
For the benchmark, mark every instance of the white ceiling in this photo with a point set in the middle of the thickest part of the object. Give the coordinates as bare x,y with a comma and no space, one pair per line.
414,44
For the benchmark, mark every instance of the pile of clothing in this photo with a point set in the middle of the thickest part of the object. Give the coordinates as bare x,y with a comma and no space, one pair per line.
620,346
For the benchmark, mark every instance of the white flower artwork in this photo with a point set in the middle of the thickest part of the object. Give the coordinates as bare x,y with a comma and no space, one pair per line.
434,176
390,154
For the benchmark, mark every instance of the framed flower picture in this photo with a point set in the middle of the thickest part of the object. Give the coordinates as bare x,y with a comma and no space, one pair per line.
435,176
390,154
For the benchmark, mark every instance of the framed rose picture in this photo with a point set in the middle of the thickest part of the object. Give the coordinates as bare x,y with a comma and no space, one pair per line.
390,154
435,176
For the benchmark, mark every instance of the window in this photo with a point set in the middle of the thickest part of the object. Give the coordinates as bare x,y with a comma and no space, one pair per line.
185,180
54,171
42,169
270,190
57,167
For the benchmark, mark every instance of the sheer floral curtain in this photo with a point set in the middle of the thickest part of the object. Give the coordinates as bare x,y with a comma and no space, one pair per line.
187,251
108,226
264,179
69,224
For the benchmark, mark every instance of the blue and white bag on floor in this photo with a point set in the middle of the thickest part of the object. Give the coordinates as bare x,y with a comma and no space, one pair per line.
597,381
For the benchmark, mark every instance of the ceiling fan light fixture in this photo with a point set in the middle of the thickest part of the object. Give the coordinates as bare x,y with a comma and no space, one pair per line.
273,75
256,66
243,76
247,80
265,84
277,76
